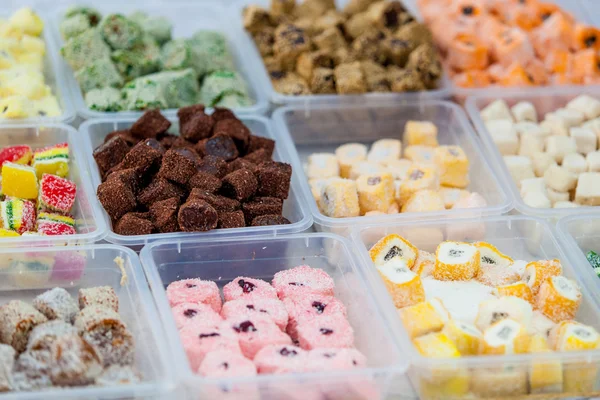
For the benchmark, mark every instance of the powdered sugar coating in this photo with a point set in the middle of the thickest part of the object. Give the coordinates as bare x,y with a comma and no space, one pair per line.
279,358
74,361
496,275
274,308
326,359
198,340
255,332
30,373
226,364
309,307
43,336
301,280
187,313
7,360
118,375
17,319
103,296
248,288
51,228
56,303
194,291
57,193
331,331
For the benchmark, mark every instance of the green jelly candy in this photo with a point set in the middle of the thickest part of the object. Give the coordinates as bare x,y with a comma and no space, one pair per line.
594,259
141,60
180,88
92,15
82,49
143,93
221,83
233,100
100,73
158,27
105,99
176,54
210,52
120,32
73,26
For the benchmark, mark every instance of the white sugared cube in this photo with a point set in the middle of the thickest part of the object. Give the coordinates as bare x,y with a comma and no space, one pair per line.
588,105
559,179
559,146
565,204
520,168
531,144
593,161
531,128
571,117
496,110
594,125
588,189
585,139
541,162
537,200
557,125
555,196
504,136
524,111
575,163
322,165
533,185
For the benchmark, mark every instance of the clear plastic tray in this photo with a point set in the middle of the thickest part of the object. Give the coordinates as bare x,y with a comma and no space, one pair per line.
88,218
520,237
53,72
94,131
262,77
593,10
88,266
223,260
544,102
575,7
322,128
187,18
580,234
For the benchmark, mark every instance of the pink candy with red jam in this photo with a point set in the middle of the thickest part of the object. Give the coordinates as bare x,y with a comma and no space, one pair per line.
226,364
326,359
273,308
248,288
198,339
194,291
330,331
300,281
279,359
255,332
311,306
186,313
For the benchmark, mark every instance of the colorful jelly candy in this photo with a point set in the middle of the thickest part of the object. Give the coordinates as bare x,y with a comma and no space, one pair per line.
50,228
57,194
18,215
52,160
8,233
19,181
20,154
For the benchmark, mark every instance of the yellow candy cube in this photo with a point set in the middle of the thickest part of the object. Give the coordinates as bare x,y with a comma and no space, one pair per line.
366,168
418,178
436,345
518,289
420,133
322,165
510,380
559,298
506,336
393,246
424,201
375,192
456,261
385,150
19,181
339,199
398,168
452,195
403,285
28,21
453,166
466,337
32,44
547,376
47,106
8,233
15,107
425,317
348,155
30,85
537,272
419,154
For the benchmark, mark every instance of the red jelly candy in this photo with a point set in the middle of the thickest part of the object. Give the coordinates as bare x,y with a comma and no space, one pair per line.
20,154
57,193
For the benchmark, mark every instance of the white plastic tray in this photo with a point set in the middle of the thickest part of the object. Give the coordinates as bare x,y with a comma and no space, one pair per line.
135,307
261,75
222,260
520,237
53,72
322,128
89,221
544,101
94,131
187,18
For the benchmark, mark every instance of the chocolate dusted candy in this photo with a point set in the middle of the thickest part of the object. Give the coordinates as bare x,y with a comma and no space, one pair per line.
205,181
240,163
213,165
151,124
200,126
177,167
130,225
116,197
267,220
259,156
185,114
159,189
261,206
222,113
259,142
167,139
142,215
219,203
143,158
197,216
155,144
124,134
235,129
220,146
274,179
233,219
164,215
405,80
181,143
128,176
239,185
110,153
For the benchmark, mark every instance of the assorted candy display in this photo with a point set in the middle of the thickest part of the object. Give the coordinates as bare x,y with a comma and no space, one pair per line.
24,92
133,63
215,174
295,324
555,162
58,341
512,43
471,299
38,198
357,180
310,47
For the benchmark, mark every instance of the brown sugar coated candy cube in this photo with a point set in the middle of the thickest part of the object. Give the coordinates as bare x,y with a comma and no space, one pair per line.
241,163
274,179
398,50
177,167
264,40
124,134
261,206
258,157
259,142
267,220
185,114
239,185
235,129
110,153
205,181
309,61
349,79
213,165
369,46
151,124
116,197
199,127
219,203
233,219
167,140
129,177
322,81
222,113
164,215
406,80
143,158
130,225
155,144
159,189
291,84
219,146
256,18
197,216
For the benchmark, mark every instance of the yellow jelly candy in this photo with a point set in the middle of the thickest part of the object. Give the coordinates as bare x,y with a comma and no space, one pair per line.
19,181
